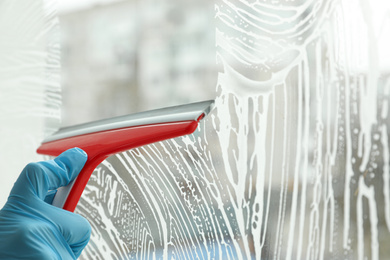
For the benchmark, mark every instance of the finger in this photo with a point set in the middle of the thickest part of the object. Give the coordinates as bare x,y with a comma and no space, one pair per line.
65,167
37,178
75,229
31,238
50,196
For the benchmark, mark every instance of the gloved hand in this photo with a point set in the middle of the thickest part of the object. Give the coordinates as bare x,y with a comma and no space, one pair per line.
30,228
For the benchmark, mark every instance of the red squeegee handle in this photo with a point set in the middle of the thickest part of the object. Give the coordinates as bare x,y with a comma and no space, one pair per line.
100,145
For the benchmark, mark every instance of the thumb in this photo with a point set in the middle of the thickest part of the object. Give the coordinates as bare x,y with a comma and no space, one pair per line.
38,178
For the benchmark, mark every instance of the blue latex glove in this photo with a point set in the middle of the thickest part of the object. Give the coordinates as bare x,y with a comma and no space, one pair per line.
30,228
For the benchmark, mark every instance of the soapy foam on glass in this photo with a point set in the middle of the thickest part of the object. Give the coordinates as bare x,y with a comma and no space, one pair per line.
293,162
29,83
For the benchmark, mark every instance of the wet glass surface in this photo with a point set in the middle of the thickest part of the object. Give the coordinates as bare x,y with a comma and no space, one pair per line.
30,91
292,163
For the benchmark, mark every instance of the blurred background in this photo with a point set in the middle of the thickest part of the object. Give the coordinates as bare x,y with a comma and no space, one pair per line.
119,57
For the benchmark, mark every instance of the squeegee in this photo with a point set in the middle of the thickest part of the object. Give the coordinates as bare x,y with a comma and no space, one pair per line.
100,139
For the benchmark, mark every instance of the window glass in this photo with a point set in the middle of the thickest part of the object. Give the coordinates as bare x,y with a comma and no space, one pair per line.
30,99
293,161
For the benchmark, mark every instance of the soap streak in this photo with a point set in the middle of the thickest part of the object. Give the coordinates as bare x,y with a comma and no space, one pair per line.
288,165
296,179
284,180
304,83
